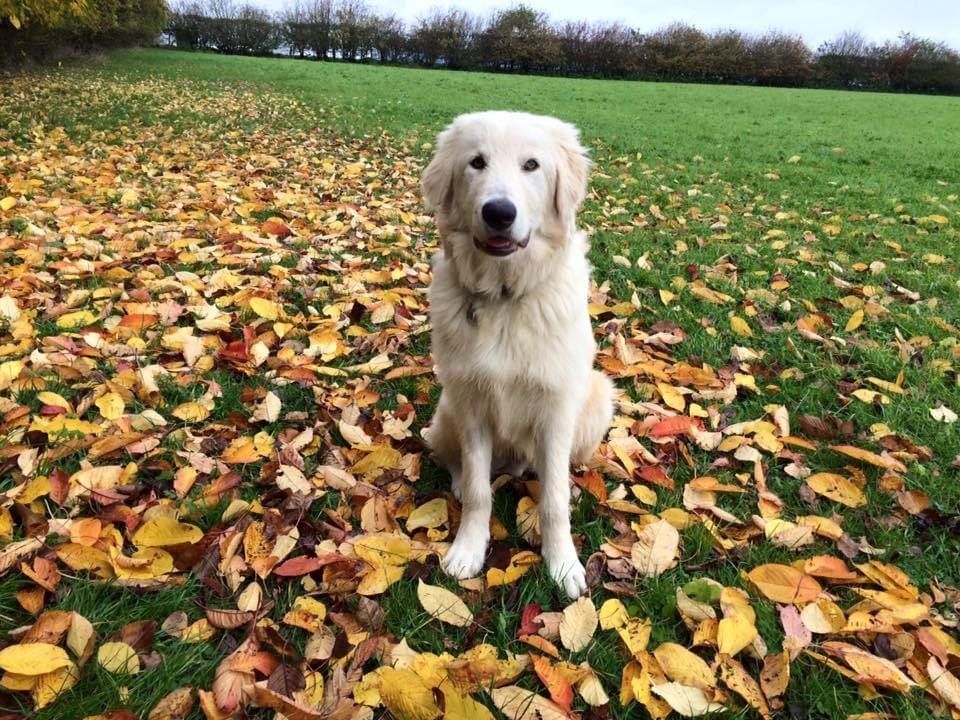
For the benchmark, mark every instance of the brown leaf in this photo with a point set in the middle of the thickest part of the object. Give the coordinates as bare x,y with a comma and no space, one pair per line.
175,706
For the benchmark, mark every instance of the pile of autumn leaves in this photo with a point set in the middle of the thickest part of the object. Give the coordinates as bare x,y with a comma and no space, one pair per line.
220,283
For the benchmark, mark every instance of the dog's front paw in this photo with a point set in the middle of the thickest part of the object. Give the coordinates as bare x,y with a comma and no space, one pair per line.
567,570
465,557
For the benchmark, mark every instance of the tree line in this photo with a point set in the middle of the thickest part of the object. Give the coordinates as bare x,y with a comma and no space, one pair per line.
41,29
524,40
517,39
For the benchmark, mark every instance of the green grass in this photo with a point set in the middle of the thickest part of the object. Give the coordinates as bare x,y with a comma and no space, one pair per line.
869,165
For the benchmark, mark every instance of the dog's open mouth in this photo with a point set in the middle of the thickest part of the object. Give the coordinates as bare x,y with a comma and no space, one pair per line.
500,245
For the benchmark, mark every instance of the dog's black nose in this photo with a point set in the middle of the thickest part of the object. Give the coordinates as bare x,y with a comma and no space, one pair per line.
499,214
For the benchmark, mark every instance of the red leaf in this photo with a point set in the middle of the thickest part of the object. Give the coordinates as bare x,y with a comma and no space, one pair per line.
302,565
677,425
59,486
275,227
527,625
655,476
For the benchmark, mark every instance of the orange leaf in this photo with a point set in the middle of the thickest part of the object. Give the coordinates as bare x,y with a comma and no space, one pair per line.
560,689
784,584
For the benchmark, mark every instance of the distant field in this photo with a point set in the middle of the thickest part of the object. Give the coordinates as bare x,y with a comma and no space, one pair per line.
788,257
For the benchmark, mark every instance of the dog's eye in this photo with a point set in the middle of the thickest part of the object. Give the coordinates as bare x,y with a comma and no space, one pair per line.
531,165
478,163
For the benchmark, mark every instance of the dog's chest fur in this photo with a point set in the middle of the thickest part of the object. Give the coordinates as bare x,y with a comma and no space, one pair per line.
535,342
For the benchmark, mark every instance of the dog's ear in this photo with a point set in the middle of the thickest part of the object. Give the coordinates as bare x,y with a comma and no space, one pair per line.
437,180
573,171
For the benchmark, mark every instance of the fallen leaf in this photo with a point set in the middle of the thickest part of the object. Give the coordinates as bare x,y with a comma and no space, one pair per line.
578,625
443,605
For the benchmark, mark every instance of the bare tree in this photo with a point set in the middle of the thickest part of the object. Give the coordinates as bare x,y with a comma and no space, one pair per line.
388,38
447,37
353,29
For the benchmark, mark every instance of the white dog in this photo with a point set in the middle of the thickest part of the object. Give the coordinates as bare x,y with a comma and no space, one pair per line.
511,334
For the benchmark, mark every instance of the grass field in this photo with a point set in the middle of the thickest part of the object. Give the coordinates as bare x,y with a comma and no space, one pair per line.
206,257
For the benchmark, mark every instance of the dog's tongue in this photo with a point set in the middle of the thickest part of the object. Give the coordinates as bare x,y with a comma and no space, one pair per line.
499,243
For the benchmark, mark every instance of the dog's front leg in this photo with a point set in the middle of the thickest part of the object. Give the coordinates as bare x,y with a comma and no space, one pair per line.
465,557
553,466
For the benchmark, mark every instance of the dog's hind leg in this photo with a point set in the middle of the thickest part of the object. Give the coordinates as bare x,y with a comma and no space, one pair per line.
444,442
595,418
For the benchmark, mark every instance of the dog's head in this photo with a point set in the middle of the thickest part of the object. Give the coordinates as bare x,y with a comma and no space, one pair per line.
506,183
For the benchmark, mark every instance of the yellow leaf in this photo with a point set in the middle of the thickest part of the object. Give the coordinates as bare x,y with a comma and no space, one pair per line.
866,456
144,564
102,477
685,667
458,706
734,634
855,321
578,625
110,406
431,514
33,658
443,605
307,613
636,635
837,488
55,400
383,549
519,566
613,614
735,677
119,658
784,584
266,309
740,326
78,319
191,412
162,531
406,695
51,685
244,450
9,371
870,396
673,398
708,295
8,202
60,424
870,668
383,457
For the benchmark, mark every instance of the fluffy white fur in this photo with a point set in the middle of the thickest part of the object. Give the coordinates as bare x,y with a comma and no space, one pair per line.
512,339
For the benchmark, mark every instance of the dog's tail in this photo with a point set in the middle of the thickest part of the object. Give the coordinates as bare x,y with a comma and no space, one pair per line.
595,419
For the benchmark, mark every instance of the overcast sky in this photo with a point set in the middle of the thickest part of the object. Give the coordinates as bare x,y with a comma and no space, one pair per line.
814,20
